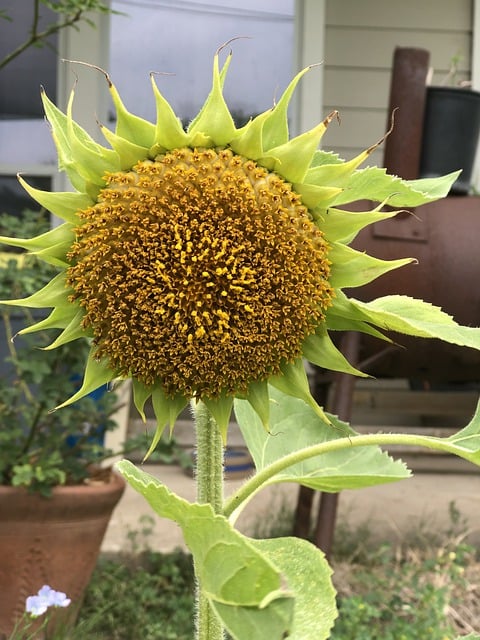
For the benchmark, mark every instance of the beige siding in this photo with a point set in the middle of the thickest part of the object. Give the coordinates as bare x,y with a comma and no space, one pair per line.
360,39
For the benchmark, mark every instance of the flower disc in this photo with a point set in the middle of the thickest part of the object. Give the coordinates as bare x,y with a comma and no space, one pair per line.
200,270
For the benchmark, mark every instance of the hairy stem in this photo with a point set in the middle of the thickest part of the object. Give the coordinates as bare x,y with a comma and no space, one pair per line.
209,478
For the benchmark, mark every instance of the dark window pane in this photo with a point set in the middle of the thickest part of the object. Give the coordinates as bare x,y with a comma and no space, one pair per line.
20,80
14,199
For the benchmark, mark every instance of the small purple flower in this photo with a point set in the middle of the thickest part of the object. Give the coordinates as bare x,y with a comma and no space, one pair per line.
45,598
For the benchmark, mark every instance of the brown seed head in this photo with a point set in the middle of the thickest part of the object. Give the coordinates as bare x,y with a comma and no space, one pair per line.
199,270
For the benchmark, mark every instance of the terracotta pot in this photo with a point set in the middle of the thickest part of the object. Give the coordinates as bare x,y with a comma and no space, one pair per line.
52,541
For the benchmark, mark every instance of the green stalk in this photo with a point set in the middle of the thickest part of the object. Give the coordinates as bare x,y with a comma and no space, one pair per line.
266,476
209,478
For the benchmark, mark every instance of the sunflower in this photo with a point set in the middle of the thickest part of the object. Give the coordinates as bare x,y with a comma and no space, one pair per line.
206,263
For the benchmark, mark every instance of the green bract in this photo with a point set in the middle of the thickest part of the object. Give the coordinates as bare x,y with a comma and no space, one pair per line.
207,263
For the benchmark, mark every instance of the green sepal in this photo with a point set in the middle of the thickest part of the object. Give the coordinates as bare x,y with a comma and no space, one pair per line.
169,133
292,159
128,152
248,141
343,226
293,381
214,118
342,315
51,295
275,129
97,373
73,331
59,132
315,197
79,154
92,159
221,410
129,126
339,323
352,268
319,349
57,235
59,318
259,399
166,411
65,205
141,393
56,254
338,172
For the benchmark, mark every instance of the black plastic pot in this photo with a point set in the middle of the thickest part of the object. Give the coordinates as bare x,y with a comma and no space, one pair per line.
450,134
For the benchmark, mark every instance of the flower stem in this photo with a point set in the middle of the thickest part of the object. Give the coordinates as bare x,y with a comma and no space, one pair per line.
266,475
209,477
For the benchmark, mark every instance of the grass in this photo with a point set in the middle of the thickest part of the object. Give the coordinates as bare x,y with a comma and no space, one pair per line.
422,589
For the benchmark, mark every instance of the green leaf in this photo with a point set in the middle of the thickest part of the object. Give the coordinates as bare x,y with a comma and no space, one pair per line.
467,441
294,426
309,578
231,570
270,622
416,318
375,184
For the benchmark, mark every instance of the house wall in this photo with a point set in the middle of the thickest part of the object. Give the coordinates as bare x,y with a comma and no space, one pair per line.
360,38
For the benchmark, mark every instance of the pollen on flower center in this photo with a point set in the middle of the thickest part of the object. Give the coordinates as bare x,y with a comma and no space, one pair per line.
200,271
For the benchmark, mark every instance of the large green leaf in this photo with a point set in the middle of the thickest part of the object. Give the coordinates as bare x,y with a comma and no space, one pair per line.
294,426
376,184
308,574
416,318
236,577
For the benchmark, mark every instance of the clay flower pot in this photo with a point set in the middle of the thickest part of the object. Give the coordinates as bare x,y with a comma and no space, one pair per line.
53,541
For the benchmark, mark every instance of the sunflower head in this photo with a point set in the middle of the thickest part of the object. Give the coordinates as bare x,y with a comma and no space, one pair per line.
205,263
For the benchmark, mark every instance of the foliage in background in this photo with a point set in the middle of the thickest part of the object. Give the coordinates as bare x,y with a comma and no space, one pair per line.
69,14
39,448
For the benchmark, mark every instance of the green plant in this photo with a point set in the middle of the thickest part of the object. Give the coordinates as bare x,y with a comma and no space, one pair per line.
205,265
41,448
150,597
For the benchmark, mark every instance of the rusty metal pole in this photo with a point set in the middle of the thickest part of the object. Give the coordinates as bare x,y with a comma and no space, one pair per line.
407,99
342,407
303,510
